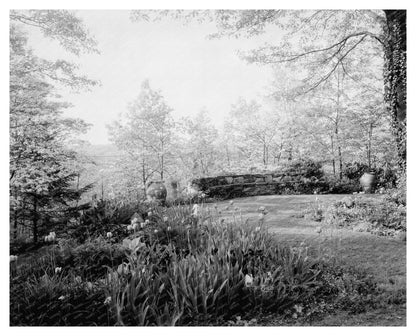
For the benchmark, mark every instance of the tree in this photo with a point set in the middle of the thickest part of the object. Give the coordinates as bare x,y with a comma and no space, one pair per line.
254,139
325,40
346,32
198,145
145,134
41,166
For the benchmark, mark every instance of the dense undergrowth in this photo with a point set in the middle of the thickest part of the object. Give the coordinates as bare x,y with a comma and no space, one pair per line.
181,265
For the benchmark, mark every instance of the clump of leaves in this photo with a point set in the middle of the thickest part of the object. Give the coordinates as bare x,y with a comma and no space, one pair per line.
381,217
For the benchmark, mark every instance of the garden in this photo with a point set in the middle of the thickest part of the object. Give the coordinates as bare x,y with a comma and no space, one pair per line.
266,260
265,185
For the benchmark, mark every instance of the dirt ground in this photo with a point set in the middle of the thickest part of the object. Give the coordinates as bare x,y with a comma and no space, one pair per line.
385,258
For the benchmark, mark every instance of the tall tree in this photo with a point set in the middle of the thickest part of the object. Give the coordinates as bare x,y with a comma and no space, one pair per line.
198,149
144,134
346,33
41,166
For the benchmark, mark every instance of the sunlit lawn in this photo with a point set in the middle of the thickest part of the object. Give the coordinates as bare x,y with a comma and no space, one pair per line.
384,258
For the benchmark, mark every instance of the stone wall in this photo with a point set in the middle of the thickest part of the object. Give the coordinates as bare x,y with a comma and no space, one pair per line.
285,182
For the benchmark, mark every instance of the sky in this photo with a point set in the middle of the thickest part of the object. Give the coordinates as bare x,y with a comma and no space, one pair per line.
190,70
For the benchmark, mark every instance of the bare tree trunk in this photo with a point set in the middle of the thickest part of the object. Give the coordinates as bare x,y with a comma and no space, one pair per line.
340,162
144,177
333,156
35,218
370,135
162,162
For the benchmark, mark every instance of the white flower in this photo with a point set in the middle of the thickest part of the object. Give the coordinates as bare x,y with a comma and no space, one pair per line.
165,219
62,297
150,214
107,300
78,279
169,228
13,258
248,280
129,227
89,285
123,268
51,237
109,234
58,270
257,228
195,210
298,308
155,231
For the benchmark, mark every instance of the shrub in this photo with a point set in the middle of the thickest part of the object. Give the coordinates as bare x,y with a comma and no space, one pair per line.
105,216
307,168
91,259
381,217
344,186
385,177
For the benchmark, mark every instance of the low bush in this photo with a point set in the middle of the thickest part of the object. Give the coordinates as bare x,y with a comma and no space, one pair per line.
104,216
381,217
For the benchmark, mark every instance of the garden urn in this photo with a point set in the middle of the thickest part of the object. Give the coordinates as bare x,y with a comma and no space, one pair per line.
367,182
156,192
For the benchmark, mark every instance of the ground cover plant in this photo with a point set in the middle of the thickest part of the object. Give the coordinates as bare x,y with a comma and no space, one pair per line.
382,216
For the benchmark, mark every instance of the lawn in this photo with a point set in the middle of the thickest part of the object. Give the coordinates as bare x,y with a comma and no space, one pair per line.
384,258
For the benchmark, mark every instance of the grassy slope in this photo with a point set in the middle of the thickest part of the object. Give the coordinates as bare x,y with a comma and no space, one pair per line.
385,258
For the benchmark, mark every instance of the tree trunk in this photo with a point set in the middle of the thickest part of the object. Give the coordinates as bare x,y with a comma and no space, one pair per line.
370,136
35,220
144,178
162,162
395,77
340,162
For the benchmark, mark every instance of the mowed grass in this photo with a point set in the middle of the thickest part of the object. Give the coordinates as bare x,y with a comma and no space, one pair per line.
384,258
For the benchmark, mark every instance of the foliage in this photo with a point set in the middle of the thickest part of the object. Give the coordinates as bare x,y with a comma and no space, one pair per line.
91,259
306,168
144,135
57,301
102,217
385,178
183,267
383,218
41,165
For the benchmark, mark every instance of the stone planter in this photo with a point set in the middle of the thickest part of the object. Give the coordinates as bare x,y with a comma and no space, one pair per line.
156,192
367,181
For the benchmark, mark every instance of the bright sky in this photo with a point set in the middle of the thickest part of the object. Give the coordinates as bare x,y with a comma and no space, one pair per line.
191,70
